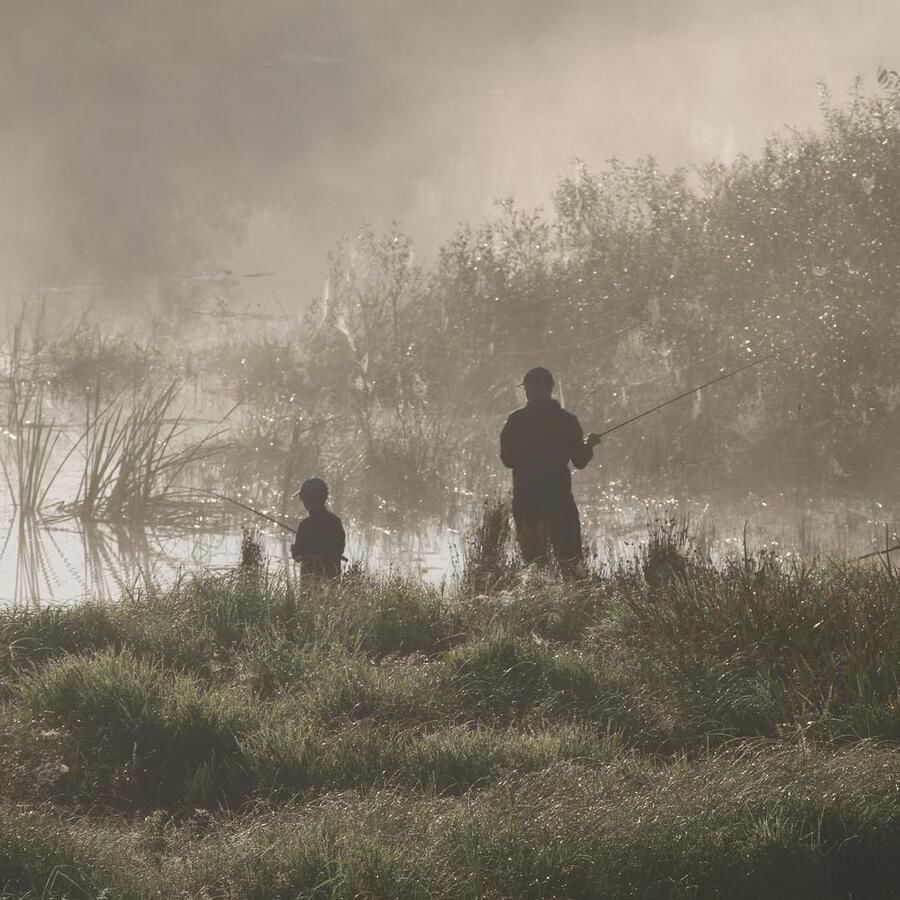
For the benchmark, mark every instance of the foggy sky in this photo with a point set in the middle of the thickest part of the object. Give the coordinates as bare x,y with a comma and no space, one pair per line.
150,138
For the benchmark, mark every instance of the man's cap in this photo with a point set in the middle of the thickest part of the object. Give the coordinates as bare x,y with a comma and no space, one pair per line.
538,375
313,489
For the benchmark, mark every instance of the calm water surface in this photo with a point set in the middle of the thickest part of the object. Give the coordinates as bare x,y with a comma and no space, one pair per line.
54,559
68,561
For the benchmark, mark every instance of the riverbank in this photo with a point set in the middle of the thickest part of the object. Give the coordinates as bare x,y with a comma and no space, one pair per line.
669,729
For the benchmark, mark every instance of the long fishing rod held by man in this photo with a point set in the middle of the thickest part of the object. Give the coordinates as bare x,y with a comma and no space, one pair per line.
687,393
538,442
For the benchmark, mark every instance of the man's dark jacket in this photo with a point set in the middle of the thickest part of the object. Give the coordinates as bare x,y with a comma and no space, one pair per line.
538,442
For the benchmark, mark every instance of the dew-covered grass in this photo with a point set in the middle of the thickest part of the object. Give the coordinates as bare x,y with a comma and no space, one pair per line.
667,729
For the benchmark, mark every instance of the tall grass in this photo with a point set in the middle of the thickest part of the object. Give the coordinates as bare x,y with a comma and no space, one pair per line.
668,552
85,353
757,823
490,560
132,456
31,436
28,465
678,731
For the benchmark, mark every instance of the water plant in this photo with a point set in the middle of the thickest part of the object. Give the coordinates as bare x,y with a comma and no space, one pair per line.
31,440
87,352
490,560
132,456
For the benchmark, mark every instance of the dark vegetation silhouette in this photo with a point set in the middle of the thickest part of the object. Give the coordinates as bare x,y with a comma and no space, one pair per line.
637,284
634,285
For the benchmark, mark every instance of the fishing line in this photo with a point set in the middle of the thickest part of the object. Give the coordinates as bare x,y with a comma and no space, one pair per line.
693,390
194,491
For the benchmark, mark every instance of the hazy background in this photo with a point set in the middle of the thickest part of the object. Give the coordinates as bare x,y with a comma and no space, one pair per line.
142,139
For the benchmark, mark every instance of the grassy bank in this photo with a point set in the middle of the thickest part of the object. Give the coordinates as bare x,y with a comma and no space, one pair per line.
665,730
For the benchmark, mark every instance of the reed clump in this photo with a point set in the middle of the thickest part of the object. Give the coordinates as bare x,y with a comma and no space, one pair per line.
28,461
135,454
490,560
87,353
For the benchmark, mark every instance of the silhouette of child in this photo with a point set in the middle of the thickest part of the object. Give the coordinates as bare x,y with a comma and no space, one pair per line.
320,540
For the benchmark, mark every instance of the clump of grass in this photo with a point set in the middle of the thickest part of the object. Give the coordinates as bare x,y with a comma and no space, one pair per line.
251,558
32,761
132,460
490,561
543,605
289,757
330,684
130,734
768,650
669,552
46,855
88,354
395,616
504,679
498,680
28,466
32,637
138,734
375,616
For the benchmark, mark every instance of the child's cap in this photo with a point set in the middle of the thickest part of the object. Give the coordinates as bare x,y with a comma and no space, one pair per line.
313,489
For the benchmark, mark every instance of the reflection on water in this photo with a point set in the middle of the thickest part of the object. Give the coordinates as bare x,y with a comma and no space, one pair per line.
75,560
70,561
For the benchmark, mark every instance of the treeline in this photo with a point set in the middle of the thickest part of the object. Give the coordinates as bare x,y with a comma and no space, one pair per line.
635,285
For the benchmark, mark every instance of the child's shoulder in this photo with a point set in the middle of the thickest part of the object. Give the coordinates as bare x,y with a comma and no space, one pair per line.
333,517
322,517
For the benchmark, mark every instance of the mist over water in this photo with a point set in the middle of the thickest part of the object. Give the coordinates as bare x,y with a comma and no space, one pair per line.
149,140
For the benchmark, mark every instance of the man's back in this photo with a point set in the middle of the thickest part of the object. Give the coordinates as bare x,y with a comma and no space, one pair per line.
538,442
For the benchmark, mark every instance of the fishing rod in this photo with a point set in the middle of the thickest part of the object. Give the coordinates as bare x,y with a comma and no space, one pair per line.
884,552
693,390
255,512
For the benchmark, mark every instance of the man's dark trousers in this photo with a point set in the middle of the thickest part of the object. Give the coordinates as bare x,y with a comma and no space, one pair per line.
548,522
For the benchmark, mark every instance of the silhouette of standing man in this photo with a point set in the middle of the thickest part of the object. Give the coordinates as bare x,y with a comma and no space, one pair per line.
538,442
